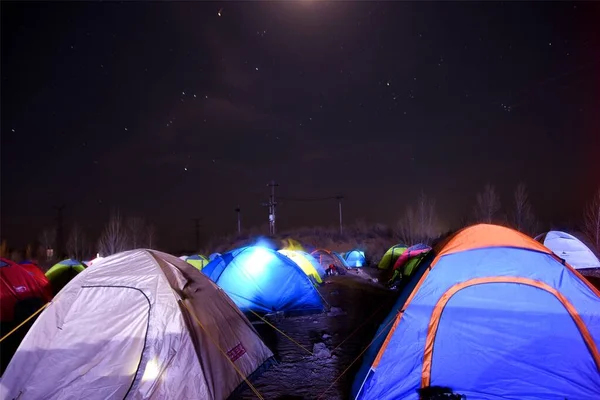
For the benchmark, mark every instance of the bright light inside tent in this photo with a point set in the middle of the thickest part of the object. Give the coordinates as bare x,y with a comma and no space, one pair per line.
257,260
152,370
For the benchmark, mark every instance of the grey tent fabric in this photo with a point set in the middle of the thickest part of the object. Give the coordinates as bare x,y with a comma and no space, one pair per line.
137,325
569,248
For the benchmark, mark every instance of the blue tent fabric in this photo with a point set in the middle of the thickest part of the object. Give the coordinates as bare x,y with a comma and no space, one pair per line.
531,343
70,262
217,265
355,258
386,325
418,246
262,280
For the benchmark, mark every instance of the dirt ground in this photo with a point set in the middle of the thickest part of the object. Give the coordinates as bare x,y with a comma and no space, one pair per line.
336,338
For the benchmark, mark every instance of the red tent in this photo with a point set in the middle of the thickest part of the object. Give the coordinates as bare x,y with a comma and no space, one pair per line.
39,276
16,285
411,252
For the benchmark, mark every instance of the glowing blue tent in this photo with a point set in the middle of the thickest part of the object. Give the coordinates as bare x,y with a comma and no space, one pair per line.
355,258
262,280
491,314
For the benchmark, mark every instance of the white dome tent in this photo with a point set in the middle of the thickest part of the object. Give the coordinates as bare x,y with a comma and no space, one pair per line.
139,324
570,249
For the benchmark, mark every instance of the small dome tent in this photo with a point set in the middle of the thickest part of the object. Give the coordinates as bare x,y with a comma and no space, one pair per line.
17,285
390,256
262,280
570,249
61,273
309,265
139,324
35,271
22,293
355,258
198,261
407,262
488,290
326,257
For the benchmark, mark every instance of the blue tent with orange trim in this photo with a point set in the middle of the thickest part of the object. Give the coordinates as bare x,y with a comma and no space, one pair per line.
491,314
262,280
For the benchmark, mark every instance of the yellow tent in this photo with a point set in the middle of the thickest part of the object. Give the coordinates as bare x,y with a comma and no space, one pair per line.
291,244
303,262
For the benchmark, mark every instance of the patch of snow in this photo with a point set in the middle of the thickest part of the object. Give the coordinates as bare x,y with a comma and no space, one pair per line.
320,350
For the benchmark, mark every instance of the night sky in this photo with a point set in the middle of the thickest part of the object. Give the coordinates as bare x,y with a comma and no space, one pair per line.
173,111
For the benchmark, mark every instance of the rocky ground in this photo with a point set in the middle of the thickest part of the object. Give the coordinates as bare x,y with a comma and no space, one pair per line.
331,341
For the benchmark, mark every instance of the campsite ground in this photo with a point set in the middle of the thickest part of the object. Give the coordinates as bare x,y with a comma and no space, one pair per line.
336,339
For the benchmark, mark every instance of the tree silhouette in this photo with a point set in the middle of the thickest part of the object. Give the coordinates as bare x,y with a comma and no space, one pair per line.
487,205
592,220
114,238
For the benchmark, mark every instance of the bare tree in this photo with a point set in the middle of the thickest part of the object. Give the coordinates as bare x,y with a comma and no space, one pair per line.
136,227
419,225
47,241
592,220
77,245
150,236
523,218
488,205
114,237
407,227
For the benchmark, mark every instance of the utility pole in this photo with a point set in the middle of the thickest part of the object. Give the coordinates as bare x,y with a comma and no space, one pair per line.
239,220
197,230
339,199
59,230
272,205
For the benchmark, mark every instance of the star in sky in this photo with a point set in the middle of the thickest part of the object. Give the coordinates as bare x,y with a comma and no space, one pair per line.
390,75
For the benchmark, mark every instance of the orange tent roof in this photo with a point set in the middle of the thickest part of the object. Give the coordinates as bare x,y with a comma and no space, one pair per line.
485,235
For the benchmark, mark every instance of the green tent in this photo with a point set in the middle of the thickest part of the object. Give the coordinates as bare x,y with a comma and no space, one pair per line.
404,272
412,264
60,274
390,256
197,260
